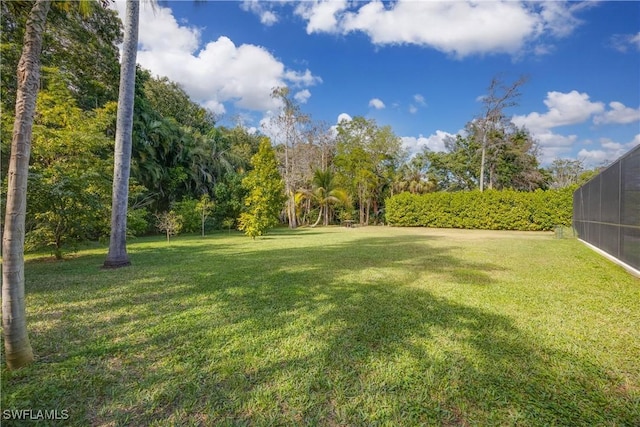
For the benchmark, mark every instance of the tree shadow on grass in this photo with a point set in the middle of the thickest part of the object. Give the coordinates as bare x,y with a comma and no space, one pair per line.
347,333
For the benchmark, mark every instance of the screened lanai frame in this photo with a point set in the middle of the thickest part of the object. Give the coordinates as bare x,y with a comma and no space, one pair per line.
606,210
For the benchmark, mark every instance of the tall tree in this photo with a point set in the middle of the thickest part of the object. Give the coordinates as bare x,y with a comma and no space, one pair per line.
171,101
69,177
265,192
565,172
81,43
18,351
365,157
516,165
288,126
117,255
500,96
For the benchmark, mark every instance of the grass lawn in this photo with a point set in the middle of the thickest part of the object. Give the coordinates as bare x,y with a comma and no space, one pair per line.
335,326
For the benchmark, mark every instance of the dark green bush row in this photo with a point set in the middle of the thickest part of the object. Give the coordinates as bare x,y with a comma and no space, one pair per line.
489,210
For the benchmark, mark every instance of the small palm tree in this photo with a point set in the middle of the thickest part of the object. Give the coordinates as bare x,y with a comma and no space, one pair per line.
411,179
325,193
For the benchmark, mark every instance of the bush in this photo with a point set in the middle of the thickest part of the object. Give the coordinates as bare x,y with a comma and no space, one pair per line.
188,210
490,210
137,222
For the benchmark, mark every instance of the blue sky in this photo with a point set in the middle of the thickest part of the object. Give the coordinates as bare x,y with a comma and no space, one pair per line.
419,66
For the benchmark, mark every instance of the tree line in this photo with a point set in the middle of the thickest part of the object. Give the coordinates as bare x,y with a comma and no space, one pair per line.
180,155
104,136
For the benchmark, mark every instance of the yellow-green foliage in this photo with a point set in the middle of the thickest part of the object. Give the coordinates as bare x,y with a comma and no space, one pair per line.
265,193
491,210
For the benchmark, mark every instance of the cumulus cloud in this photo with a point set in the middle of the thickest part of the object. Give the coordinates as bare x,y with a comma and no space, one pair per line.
564,109
434,142
607,152
572,108
619,113
304,78
459,28
216,72
559,18
303,96
267,16
343,117
553,145
321,15
376,103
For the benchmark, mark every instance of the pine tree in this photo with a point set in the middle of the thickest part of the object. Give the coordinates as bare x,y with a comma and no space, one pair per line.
265,190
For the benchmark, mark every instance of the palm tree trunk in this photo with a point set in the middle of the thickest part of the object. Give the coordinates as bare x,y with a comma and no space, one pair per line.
18,351
484,144
326,214
319,218
117,256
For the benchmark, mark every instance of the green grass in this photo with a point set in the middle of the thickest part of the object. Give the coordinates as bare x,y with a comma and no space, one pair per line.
335,326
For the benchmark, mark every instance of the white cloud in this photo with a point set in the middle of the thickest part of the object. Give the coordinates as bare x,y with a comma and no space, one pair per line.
302,78
459,28
413,109
558,18
376,103
618,113
564,109
344,117
553,145
419,99
303,96
159,30
267,16
434,142
574,108
213,73
625,42
608,151
321,15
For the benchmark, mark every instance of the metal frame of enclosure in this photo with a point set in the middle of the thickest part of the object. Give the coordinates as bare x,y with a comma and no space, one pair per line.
606,210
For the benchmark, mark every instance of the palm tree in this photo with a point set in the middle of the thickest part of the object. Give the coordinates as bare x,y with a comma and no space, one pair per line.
219,159
325,193
16,341
410,178
117,256
18,351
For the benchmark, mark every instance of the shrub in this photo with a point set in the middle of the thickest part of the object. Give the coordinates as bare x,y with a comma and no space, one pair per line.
137,222
491,210
188,210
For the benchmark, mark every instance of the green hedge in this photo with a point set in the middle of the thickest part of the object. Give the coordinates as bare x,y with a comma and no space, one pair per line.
489,210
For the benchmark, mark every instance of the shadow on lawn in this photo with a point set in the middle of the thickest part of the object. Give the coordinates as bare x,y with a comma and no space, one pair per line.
344,334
